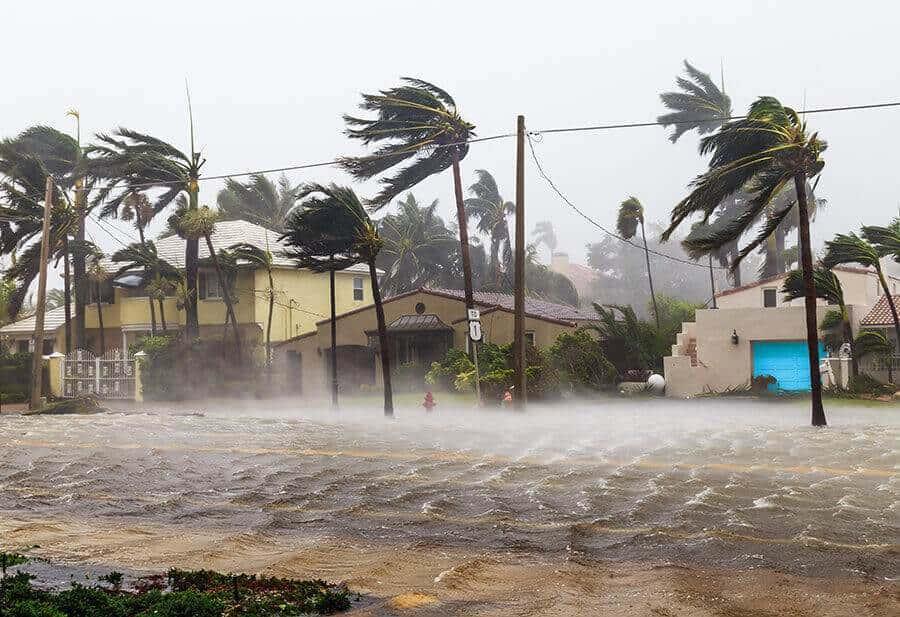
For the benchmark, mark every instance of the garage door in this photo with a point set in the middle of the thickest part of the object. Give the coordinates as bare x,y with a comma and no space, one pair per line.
786,361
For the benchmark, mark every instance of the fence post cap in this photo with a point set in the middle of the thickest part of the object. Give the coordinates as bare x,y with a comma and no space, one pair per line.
56,354
140,354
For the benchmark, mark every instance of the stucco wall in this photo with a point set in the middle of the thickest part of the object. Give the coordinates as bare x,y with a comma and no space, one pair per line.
859,288
497,327
721,364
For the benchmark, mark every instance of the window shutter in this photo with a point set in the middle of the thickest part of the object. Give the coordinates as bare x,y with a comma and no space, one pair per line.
201,279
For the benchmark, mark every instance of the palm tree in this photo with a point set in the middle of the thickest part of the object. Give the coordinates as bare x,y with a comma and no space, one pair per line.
193,224
259,200
828,288
131,161
702,106
850,248
330,231
98,275
491,211
418,247
886,240
135,207
417,122
631,215
543,233
156,272
762,154
259,258
26,162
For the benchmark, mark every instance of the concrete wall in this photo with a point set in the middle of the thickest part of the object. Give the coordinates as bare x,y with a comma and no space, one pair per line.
721,364
859,288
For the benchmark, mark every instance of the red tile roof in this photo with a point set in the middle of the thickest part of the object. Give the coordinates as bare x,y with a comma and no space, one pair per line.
880,315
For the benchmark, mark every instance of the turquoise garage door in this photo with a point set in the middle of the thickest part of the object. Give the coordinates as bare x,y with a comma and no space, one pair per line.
786,361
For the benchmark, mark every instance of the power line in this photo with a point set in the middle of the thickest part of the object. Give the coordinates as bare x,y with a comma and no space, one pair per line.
633,125
593,222
598,127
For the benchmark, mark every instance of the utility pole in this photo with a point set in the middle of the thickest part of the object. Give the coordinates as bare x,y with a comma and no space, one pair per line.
37,356
519,291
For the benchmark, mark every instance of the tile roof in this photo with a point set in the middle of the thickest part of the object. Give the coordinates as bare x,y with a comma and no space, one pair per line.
228,233
534,307
880,315
417,323
53,319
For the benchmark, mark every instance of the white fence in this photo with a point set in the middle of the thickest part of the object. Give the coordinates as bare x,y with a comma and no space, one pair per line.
109,376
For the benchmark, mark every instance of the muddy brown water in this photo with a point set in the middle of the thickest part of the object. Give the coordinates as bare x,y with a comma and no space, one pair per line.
729,485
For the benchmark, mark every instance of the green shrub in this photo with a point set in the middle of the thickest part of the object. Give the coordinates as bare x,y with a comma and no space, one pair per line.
581,362
867,385
185,604
33,608
80,601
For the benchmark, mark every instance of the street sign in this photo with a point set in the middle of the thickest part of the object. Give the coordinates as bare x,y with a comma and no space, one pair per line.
475,330
474,314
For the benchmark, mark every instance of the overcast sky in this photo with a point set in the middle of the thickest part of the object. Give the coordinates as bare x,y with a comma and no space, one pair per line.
270,80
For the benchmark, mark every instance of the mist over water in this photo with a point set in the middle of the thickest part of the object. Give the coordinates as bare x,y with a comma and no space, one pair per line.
723,483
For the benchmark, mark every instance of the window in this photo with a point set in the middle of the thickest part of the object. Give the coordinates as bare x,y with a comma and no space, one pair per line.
22,346
47,347
770,297
357,288
529,339
107,295
209,286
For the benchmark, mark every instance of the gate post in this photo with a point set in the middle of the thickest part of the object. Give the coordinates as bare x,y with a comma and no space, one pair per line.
56,365
138,386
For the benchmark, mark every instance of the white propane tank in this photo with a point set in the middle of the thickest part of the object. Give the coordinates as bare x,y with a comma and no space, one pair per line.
656,383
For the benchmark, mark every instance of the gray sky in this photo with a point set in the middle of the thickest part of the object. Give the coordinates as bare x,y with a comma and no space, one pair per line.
269,81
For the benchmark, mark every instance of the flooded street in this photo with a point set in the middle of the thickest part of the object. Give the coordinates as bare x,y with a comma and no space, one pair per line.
711,486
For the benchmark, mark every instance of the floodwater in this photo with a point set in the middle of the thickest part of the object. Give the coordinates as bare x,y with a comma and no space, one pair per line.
733,484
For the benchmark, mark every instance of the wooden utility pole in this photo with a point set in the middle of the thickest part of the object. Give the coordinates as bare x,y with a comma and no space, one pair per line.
519,323
37,356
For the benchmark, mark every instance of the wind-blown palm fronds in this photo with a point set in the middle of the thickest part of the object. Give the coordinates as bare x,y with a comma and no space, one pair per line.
700,105
417,124
761,154
129,161
886,240
631,215
260,258
259,200
543,233
849,249
331,230
418,247
156,273
488,207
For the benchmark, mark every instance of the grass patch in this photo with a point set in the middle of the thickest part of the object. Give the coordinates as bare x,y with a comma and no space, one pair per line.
181,593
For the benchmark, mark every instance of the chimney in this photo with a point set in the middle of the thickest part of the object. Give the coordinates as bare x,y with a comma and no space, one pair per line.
559,262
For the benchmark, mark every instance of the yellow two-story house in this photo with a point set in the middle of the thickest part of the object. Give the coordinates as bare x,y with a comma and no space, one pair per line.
301,297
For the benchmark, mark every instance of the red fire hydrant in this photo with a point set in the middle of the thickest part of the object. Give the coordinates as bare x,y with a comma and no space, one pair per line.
428,403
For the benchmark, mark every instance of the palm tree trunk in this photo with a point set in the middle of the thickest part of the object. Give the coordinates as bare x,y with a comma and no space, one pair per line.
779,250
269,323
226,296
191,258
712,282
79,270
771,262
67,293
650,276
890,299
463,231
736,273
100,323
812,328
140,229
382,342
334,375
